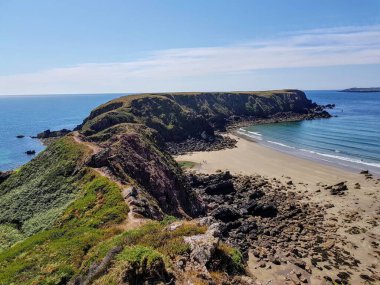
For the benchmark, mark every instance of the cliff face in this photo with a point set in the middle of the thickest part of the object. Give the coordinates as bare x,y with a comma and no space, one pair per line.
159,188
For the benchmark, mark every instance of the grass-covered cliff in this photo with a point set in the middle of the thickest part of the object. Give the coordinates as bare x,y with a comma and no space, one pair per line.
179,115
65,216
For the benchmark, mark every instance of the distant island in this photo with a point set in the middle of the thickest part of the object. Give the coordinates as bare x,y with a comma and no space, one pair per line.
364,90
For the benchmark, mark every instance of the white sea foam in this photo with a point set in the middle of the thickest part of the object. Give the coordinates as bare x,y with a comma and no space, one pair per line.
343,158
281,144
255,133
251,134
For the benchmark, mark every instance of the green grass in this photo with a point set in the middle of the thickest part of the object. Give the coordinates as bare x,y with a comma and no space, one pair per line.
235,255
55,255
145,247
186,164
54,211
35,195
139,254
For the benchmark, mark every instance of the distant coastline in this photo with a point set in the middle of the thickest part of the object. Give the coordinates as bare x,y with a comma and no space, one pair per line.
362,90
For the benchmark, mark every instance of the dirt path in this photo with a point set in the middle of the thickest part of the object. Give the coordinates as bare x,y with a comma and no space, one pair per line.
132,221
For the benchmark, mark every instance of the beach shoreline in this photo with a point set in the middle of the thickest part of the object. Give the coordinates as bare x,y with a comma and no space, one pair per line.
357,208
344,165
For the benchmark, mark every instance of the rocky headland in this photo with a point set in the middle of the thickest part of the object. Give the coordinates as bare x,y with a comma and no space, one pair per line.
108,204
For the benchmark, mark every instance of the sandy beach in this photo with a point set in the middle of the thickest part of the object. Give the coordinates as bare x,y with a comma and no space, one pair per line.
354,214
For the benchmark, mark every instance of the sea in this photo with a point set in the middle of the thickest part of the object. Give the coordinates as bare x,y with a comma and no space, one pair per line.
350,139
31,114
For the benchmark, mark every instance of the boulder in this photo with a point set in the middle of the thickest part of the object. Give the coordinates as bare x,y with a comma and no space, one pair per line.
225,214
52,134
220,188
263,210
338,188
30,152
203,246
256,194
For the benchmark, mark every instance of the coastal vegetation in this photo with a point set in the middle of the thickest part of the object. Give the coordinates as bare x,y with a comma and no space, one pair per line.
186,164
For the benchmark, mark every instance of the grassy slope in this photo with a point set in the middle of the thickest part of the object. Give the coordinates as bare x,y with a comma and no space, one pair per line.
63,209
82,228
33,197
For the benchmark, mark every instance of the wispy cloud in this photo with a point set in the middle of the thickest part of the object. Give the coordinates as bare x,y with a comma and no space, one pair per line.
167,69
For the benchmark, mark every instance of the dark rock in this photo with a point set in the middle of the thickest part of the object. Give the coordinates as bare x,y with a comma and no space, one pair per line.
233,225
262,210
4,175
338,188
225,214
300,263
257,194
366,277
343,276
204,143
221,188
52,134
30,152
20,136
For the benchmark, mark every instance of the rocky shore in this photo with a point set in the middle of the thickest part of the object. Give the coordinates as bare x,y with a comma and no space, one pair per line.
273,222
219,142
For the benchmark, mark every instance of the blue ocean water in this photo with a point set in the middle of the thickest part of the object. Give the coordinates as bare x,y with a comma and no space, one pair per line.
29,115
350,140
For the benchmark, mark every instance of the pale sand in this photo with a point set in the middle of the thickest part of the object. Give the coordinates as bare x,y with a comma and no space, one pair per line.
363,204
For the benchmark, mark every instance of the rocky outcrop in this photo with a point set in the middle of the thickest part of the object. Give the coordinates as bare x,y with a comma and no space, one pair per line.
337,189
160,188
4,175
217,142
30,152
52,134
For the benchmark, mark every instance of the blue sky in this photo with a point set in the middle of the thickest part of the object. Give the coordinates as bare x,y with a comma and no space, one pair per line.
84,46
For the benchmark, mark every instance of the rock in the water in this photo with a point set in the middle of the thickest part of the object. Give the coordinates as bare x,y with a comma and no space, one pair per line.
20,136
53,134
30,152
